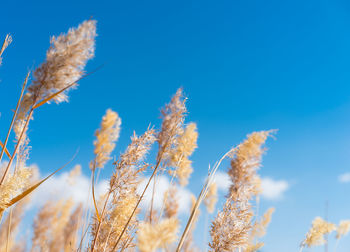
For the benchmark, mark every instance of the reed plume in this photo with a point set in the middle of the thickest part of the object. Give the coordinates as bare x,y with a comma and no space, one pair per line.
116,222
55,225
106,137
173,116
74,174
172,125
171,202
259,230
230,229
64,65
49,226
5,44
122,195
185,144
315,236
343,228
160,235
65,61
70,232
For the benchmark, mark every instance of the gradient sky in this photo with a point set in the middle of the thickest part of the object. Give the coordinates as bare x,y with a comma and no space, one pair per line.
244,65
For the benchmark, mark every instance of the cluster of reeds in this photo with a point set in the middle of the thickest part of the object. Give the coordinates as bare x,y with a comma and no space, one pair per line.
321,228
116,221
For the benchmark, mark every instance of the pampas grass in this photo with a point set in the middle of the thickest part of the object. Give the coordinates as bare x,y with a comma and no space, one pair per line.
232,226
315,236
118,222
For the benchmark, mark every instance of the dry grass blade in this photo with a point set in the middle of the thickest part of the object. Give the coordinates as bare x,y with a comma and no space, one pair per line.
5,150
53,96
3,146
200,198
93,195
35,186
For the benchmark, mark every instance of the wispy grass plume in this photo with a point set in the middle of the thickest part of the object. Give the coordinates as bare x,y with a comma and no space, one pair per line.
230,229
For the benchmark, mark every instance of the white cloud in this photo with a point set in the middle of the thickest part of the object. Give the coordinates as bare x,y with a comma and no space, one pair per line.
344,178
271,189
61,187
222,181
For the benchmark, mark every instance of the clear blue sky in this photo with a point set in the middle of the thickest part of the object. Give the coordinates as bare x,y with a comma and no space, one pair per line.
245,66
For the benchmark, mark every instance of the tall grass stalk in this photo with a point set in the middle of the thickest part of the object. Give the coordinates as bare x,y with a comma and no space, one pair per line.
200,198
13,118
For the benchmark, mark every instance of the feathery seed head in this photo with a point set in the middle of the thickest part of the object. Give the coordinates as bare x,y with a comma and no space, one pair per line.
106,137
185,144
171,202
64,65
259,230
50,224
74,174
154,236
315,236
254,247
123,190
138,148
232,226
246,162
173,115
65,61
71,228
5,44
343,228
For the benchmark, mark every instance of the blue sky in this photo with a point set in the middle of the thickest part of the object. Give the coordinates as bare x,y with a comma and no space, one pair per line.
245,66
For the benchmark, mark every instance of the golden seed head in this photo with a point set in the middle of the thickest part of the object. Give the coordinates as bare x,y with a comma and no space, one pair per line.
319,228
154,236
343,228
106,137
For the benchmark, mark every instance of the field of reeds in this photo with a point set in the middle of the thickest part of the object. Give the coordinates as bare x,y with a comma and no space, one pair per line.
114,220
